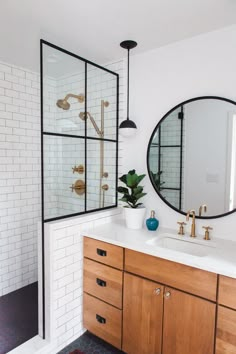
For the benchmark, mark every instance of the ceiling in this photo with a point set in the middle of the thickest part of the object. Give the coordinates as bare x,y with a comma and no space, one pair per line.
93,29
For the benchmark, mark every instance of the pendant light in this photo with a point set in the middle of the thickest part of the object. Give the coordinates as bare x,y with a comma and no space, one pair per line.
128,127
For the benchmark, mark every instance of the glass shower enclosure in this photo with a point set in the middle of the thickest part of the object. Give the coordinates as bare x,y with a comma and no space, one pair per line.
79,134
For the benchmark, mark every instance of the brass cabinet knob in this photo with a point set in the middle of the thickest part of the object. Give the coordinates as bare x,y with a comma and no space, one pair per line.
157,291
207,233
167,294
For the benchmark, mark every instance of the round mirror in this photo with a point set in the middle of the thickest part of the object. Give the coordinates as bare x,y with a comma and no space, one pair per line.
191,157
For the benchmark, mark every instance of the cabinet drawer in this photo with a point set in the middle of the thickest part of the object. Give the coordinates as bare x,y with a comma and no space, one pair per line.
102,320
226,331
227,292
103,282
103,252
189,279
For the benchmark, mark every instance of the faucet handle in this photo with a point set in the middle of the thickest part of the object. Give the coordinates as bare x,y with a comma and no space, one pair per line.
181,227
207,233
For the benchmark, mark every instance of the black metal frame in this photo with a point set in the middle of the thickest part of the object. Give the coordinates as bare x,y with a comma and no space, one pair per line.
149,146
86,138
180,146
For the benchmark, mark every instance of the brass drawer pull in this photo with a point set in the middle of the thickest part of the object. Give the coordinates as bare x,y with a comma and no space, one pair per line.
100,319
101,252
101,282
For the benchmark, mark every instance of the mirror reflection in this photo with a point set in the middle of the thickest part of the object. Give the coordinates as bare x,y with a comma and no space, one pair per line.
192,155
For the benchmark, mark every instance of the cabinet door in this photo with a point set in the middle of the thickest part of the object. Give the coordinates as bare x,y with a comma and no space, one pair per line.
142,316
226,331
189,324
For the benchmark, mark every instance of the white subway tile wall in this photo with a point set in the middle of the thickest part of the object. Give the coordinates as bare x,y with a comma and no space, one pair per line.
20,208
19,176
64,283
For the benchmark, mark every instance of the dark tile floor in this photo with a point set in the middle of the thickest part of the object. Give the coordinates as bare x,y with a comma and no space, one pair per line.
90,344
18,317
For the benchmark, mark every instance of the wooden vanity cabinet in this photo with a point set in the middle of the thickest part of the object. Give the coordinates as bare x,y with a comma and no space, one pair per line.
142,315
148,305
226,319
158,319
103,290
188,324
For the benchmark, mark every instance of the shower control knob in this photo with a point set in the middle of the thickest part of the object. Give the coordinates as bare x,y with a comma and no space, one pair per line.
79,169
105,187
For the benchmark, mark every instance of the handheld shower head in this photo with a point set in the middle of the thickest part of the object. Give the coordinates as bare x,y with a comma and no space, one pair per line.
64,104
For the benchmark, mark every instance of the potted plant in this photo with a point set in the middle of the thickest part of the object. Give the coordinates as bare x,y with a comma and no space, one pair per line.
132,193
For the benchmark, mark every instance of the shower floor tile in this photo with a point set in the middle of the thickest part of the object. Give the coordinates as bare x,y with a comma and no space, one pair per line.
18,317
90,344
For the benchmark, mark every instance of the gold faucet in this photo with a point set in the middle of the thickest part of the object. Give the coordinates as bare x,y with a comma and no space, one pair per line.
204,208
193,213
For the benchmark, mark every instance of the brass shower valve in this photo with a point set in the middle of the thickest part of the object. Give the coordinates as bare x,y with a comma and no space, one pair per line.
79,169
78,187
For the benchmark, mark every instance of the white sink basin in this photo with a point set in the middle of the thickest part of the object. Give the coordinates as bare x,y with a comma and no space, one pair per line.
175,243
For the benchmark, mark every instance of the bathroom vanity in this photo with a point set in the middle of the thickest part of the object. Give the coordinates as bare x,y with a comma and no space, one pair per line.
146,299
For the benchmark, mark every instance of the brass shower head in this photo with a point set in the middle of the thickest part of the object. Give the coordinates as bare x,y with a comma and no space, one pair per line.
64,104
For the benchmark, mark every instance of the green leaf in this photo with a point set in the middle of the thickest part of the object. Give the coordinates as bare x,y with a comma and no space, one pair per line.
132,172
132,180
138,190
140,178
138,196
122,190
137,205
124,199
123,179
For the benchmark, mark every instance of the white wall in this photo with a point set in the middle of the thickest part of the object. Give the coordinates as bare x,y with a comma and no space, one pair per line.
19,176
162,78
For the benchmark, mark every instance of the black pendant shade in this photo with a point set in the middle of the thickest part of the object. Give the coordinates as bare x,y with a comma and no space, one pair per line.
128,124
128,127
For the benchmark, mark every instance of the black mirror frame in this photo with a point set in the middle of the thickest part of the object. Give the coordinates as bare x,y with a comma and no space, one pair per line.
149,145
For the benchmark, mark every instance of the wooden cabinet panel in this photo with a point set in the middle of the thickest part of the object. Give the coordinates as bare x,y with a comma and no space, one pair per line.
188,325
227,291
142,316
226,331
103,320
103,282
189,279
104,252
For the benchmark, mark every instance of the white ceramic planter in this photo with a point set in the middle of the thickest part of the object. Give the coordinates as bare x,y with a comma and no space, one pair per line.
134,217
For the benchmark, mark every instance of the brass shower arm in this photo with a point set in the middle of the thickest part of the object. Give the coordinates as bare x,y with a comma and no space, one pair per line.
79,97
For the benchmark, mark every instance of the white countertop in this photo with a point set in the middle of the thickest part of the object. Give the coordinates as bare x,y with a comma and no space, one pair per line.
220,255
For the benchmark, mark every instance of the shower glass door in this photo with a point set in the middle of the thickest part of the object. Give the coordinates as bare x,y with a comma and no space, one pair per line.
79,134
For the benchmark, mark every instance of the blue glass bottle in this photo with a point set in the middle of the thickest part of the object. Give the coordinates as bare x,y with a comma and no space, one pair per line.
152,223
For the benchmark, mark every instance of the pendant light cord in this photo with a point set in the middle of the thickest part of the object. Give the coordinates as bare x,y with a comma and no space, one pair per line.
128,87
